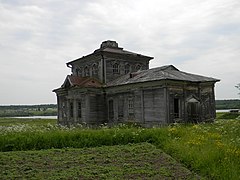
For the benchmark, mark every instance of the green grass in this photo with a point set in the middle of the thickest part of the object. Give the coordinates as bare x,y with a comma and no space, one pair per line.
210,149
227,115
213,150
132,161
6,121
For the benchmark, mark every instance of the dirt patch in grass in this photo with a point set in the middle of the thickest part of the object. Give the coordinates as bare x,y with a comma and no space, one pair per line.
133,161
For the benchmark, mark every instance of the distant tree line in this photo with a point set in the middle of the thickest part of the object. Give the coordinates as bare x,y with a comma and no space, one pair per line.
51,109
228,104
28,110
15,107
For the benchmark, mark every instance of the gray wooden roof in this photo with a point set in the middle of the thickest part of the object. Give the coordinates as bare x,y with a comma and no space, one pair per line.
121,51
112,50
168,72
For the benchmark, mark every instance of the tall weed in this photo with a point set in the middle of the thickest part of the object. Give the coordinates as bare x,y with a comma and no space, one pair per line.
212,149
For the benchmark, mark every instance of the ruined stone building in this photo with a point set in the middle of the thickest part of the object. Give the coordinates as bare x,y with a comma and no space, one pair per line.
112,85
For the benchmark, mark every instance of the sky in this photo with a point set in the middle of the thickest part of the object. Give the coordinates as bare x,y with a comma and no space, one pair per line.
38,38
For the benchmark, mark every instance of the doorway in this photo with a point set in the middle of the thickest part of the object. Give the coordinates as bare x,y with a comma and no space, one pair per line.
110,110
192,109
176,108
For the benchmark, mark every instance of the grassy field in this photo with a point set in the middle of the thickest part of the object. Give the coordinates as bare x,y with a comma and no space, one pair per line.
5,121
211,150
132,161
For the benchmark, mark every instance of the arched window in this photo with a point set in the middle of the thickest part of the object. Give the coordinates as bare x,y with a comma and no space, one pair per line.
94,70
126,68
115,68
138,67
86,71
78,72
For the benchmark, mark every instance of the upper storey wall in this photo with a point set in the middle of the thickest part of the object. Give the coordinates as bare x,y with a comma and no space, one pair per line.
108,63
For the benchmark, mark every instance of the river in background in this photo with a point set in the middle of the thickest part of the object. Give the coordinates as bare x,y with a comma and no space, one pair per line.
224,110
55,117
37,117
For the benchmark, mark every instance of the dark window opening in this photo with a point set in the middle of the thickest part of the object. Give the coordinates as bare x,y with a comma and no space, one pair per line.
79,109
110,109
78,72
176,108
71,110
120,108
192,109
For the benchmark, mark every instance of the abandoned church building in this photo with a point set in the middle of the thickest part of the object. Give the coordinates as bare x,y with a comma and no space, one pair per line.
112,85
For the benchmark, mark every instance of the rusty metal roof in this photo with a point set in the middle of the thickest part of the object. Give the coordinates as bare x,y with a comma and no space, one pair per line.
168,72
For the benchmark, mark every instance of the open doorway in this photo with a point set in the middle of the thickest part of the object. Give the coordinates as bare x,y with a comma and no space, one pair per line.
176,108
193,106
192,109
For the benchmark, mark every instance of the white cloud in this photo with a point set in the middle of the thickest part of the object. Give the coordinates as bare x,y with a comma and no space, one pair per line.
39,37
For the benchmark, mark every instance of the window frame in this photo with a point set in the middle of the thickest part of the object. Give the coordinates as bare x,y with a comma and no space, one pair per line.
94,69
79,109
116,68
71,109
138,67
86,71
126,68
130,106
